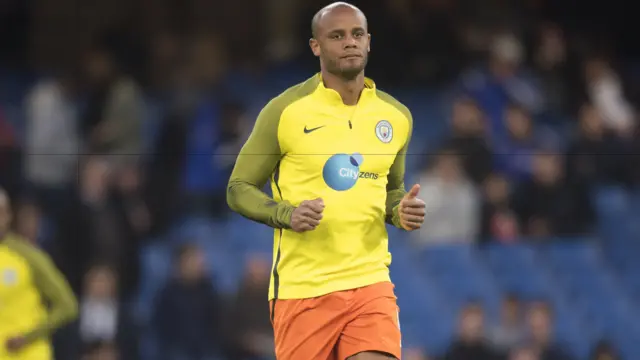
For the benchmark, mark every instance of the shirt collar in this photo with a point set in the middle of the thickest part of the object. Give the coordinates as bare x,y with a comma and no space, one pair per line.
332,97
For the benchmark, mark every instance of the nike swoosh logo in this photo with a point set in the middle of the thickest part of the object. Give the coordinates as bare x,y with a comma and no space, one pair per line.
306,131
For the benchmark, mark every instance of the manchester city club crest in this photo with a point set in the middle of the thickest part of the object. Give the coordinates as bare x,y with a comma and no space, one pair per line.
384,131
9,277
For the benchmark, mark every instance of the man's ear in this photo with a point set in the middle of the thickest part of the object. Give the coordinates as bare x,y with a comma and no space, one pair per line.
315,46
369,43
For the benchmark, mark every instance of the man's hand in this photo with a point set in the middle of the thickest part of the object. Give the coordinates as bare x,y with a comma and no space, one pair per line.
411,210
15,344
307,216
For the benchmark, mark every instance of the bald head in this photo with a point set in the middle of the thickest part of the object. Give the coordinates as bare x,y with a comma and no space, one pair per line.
331,9
341,40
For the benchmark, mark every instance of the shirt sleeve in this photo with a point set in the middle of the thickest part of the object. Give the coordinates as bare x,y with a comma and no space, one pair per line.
256,163
395,180
54,288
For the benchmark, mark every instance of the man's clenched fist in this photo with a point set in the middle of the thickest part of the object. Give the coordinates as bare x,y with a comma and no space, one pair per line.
307,215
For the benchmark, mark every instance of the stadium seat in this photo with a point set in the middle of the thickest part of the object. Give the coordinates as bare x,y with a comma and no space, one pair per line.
569,334
526,285
511,256
249,236
576,252
198,229
447,258
156,262
225,267
611,201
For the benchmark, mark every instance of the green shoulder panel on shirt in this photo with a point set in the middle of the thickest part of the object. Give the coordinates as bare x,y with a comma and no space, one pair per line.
395,180
398,105
258,160
50,283
265,129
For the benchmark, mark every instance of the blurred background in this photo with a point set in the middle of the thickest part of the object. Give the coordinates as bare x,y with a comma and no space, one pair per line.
120,121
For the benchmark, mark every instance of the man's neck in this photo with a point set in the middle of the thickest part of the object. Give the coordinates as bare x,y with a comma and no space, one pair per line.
349,90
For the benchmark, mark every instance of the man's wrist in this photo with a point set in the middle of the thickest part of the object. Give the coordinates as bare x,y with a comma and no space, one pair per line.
285,212
395,216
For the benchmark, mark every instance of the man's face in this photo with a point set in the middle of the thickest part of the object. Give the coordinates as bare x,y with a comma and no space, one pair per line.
518,123
192,265
540,324
101,283
342,42
471,324
98,67
591,121
511,309
467,118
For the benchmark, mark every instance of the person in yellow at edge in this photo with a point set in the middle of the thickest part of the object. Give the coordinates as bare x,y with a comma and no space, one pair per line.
27,277
334,147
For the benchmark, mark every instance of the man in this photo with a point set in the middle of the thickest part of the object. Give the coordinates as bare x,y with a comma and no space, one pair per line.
335,149
27,276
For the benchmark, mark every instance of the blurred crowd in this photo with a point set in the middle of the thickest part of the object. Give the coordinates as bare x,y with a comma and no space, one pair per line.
524,332
132,113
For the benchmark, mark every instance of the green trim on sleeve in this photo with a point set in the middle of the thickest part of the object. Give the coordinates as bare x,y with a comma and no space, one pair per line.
259,160
52,286
395,181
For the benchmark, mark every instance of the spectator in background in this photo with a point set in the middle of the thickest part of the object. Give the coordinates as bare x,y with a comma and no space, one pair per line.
594,155
632,170
524,353
515,153
604,351
453,210
605,92
165,48
165,171
187,310
213,141
547,205
432,24
540,328
52,141
499,222
10,156
511,330
101,351
551,62
469,139
503,81
470,343
414,354
86,231
282,45
233,133
103,318
133,217
29,222
253,333
115,109
214,134
103,222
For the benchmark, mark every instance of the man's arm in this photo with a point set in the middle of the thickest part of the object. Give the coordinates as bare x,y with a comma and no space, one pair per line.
395,181
256,162
54,288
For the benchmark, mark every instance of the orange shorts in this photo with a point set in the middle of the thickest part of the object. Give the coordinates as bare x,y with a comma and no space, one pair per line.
337,325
